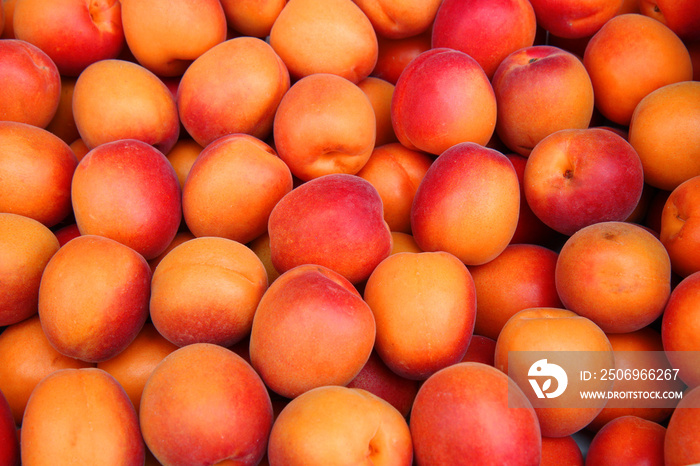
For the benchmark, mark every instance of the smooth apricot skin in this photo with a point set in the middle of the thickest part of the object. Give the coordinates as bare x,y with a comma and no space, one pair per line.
667,116
182,157
379,92
486,30
252,17
67,233
472,412
338,425
395,54
96,31
232,187
26,246
9,438
443,98
627,440
116,99
396,173
561,450
336,221
334,37
398,20
615,273
679,328
681,444
680,227
27,358
210,106
63,124
325,124
467,204
30,84
204,404
81,416
424,305
629,57
574,19
403,242
36,169
681,16
481,349
522,276
93,298
206,290
311,328
166,36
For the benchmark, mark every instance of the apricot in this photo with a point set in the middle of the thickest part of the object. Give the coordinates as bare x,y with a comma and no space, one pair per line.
325,124
30,84
403,242
681,16
252,17
379,92
467,204
680,444
204,404
261,247
522,276
36,169
93,298
206,290
166,36
424,305
680,229
481,349
573,18
334,36
628,440
182,157
63,124
398,20
27,358
26,246
80,416
561,450
395,54
629,57
234,87
311,328
232,187
396,172
617,274
668,116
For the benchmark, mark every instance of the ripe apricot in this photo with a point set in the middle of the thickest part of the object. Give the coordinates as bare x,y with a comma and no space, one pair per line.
380,92
680,227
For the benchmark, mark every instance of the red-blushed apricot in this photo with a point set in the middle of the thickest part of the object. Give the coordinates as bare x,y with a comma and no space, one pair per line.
261,247
182,157
617,274
133,366
487,31
681,444
26,246
572,342
234,87
379,92
403,242
204,404
561,450
680,227
311,328
574,19
377,378
115,99
206,290
543,81
30,84
324,124
520,277
395,54
36,169
481,349
398,20
338,425
680,329
232,187
467,204
642,350
166,36
95,30
627,440
668,116
127,191
93,298
67,233
424,305
396,173
252,17
473,413
333,36
629,57
681,16
336,221
27,358
80,416
63,124
443,98
9,438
